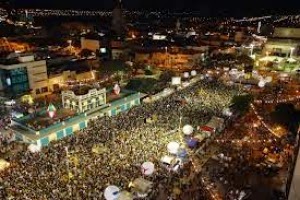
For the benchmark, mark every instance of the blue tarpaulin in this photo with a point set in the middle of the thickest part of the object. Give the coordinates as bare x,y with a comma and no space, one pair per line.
182,153
192,143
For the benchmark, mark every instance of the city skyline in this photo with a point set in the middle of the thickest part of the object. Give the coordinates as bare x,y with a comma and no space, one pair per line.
206,8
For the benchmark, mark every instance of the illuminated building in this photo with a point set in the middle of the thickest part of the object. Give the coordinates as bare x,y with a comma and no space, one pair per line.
284,43
118,50
83,98
22,74
57,81
92,44
9,46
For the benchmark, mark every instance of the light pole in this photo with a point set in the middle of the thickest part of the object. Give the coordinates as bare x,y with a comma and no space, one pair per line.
166,62
292,50
251,51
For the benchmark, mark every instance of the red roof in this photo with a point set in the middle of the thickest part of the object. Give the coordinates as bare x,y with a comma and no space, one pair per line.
207,128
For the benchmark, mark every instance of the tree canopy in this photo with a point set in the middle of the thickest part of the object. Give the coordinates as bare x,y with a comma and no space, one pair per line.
166,76
287,115
241,103
144,85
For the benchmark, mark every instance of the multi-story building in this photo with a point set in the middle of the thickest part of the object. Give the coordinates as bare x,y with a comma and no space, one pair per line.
283,43
23,74
90,43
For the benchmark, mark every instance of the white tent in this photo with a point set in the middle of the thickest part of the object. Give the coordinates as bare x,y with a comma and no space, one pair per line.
193,73
216,123
291,60
271,59
3,164
33,148
186,74
176,80
187,129
142,185
148,168
125,195
167,159
112,192
173,147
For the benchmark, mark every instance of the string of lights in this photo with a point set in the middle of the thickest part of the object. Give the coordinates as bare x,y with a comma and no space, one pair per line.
262,120
249,141
290,99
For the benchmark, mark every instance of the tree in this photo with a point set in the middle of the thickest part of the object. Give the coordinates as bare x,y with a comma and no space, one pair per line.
241,103
166,76
136,67
86,53
145,85
119,76
148,72
245,59
285,114
247,62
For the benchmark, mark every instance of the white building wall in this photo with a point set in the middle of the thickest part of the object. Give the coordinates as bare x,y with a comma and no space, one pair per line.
294,193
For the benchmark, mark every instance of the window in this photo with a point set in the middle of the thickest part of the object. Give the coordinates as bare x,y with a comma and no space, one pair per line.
37,91
56,87
44,90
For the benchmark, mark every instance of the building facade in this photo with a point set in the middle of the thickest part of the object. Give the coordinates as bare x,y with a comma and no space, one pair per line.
284,43
57,81
90,44
24,76
84,102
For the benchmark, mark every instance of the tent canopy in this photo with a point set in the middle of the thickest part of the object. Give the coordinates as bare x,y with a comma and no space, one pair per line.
215,123
167,159
276,59
3,164
142,185
207,129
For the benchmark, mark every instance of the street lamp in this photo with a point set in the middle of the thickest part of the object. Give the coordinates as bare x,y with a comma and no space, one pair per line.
166,48
292,50
251,52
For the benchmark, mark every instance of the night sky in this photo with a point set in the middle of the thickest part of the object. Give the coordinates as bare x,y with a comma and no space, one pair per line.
207,7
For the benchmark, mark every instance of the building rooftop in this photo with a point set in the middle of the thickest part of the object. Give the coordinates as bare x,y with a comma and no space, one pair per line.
283,40
11,58
170,50
283,32
41,120
81,90
68,65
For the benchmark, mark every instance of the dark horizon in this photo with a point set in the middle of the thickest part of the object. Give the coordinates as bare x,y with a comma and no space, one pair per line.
229,8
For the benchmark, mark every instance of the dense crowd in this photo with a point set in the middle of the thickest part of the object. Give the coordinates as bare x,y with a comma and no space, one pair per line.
4,123
111,150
